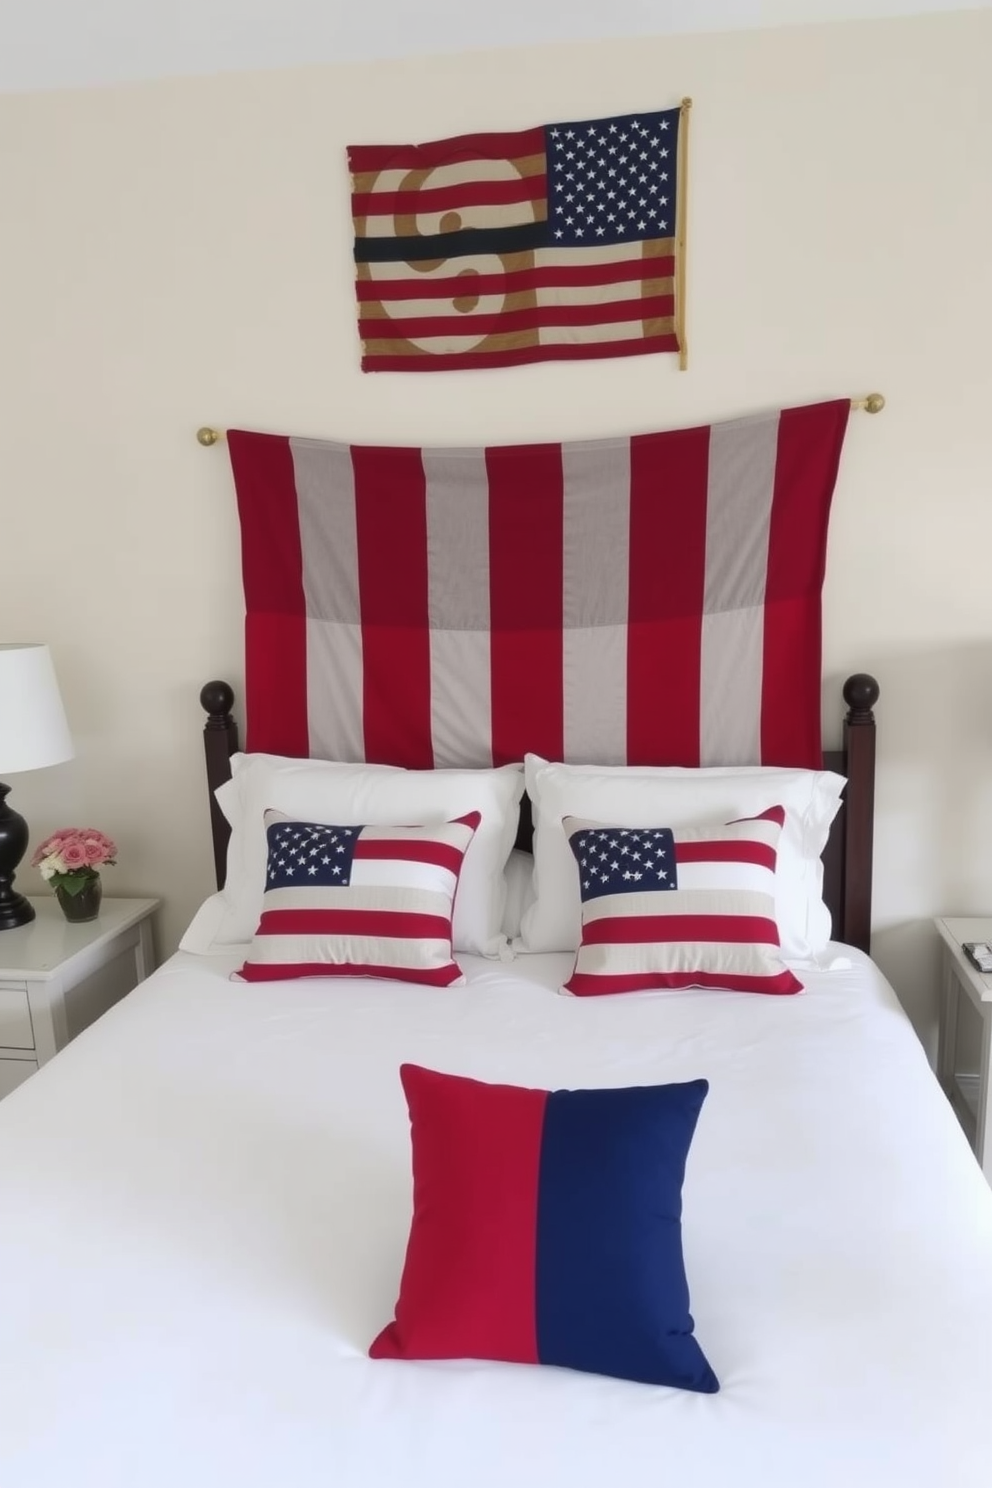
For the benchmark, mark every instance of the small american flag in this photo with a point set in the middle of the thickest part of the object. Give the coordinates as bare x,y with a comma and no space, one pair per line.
693,907
359,901
488,250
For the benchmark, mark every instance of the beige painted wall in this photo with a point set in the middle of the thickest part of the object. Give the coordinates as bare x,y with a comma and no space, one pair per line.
180,253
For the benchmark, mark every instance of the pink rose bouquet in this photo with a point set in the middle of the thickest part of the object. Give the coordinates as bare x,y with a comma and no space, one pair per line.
70,858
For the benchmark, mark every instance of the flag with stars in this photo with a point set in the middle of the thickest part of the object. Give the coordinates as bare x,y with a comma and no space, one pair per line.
490,250
693,907
359,901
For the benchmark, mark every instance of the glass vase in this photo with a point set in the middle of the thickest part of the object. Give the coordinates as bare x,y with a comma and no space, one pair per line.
84,904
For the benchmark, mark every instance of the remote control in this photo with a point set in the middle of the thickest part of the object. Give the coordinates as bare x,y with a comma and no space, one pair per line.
979,953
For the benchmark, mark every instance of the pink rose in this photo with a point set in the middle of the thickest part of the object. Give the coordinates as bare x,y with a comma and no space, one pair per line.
50,845
95,852
74,855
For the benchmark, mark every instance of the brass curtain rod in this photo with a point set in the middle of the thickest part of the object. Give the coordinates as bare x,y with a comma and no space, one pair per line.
873,403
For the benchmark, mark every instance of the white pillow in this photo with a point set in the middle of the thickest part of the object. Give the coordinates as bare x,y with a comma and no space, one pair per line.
674,797
368,795
519,875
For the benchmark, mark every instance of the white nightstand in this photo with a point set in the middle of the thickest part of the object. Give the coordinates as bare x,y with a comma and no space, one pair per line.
964,1071
55,978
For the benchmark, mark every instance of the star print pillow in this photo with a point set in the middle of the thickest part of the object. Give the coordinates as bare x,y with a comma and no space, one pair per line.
359,901
683,907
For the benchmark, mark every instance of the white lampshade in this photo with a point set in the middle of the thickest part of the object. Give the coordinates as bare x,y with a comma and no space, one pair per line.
33,728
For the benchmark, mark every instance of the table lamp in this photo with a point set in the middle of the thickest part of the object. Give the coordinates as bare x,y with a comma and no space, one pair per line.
33,734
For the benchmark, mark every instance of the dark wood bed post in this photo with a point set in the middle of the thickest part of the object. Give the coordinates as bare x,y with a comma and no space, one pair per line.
220,741
861,694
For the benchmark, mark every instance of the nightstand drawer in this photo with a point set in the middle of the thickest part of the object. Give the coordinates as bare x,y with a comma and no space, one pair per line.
14,1072
15,1017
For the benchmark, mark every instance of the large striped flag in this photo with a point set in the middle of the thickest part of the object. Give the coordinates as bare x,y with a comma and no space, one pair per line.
644,600
488,250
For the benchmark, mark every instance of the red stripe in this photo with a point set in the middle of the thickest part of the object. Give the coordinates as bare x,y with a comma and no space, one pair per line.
582,984
346,922
442,976
456,148
809,446
623,929
607,312
453,286
526,526
747,851
469,1278
773,814
449,198
441,854
391,522
460,361
668,481
272,568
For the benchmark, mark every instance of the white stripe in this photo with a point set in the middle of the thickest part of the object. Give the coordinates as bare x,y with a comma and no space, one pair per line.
405,900
450,834
341,950
692,902
395,873
715,958
492,304
726,876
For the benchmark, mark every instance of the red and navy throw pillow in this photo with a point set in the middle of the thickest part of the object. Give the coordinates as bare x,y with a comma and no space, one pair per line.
547,1229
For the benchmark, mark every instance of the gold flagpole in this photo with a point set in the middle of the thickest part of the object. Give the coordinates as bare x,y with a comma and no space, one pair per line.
872,403
681,207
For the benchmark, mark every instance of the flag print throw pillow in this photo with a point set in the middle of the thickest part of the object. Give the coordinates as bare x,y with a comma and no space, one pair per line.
683,907
547,1229
359,901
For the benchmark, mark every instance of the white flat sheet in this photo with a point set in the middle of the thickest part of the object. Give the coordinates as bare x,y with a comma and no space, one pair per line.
204,1204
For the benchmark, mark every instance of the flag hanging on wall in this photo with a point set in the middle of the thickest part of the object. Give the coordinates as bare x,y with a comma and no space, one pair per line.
489,250
644,600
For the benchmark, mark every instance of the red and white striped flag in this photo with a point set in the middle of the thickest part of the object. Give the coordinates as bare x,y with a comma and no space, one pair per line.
645,600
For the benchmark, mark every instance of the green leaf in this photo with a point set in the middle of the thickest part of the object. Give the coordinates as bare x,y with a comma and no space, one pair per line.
73,883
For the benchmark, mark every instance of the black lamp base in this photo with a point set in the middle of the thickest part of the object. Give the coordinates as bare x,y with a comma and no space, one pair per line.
14,908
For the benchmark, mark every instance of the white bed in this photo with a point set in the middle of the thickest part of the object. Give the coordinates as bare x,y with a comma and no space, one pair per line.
206,1200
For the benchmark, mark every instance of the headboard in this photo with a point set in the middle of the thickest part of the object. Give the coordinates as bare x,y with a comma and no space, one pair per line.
847,861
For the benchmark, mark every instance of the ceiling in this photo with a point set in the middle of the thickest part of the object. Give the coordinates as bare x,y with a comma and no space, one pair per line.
69,43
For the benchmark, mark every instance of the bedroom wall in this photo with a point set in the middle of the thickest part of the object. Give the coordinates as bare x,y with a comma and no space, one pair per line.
178,253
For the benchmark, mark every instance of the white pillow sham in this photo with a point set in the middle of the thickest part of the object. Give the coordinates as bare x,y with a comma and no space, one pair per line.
677,797
370,795
519,876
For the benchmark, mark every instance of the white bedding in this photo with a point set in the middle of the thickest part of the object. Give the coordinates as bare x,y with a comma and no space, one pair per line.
205,1202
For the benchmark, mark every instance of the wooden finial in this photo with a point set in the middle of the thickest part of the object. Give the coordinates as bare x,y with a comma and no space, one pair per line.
861,693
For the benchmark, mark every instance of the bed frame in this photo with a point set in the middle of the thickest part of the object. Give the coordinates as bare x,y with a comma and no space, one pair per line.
847,860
